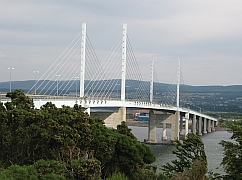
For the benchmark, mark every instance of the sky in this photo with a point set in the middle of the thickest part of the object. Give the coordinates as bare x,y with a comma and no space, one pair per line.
205,35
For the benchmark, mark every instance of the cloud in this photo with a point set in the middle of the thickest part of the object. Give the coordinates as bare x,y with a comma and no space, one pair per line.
2,55
202,33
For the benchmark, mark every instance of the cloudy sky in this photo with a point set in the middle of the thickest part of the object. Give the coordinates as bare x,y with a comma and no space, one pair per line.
205,35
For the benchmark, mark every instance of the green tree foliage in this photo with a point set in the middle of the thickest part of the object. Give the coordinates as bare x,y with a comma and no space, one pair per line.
123,129
88,169
66,142
16,172
233,152
196,172
118,176
188,153
43,170
50,168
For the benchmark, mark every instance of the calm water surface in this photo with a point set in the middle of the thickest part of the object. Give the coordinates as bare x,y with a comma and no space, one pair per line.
213,149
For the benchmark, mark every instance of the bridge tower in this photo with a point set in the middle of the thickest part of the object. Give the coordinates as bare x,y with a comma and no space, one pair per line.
152,80
115,118
122,109
124,60
83,60
178,84
175,127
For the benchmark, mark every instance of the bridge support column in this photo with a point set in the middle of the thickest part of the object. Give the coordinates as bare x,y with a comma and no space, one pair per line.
186,123
164,137
205,126
152,127
194,124
156,116
209,125
200,126
213,128
181,125
175,127
114,118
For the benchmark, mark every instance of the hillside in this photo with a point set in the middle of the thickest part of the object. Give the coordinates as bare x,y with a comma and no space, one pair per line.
26,85
204,98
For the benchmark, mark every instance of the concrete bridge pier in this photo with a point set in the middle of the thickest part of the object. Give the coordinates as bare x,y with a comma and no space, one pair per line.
175,126
164,136
111,119
164,117
209,125
215,123
152,127
200,126
194,124
205,126
116,118
186,123
181,125
213,128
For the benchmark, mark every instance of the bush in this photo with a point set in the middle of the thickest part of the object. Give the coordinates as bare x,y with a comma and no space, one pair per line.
16,172
88,169
50,169
190,154
118,176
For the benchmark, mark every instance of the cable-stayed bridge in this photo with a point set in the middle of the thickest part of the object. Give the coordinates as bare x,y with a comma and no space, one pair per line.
106,87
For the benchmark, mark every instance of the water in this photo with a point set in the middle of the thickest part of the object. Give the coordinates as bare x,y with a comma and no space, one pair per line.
213,149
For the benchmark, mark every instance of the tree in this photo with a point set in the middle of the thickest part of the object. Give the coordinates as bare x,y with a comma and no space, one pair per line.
67,139
233,152
188,153
119,150
88,169
131,156
51,133
123,129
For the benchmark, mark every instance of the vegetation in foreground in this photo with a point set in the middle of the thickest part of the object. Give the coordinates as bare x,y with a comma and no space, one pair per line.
65,143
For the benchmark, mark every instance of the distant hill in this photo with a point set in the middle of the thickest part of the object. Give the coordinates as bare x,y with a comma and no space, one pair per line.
210,89
132,84
206,98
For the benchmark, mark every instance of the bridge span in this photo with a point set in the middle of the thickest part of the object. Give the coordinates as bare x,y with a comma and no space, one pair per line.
100,90
158,114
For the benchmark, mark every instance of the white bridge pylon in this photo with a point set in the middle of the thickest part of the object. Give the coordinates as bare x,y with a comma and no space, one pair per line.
83,62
